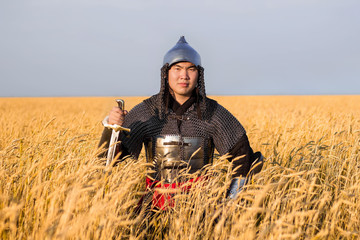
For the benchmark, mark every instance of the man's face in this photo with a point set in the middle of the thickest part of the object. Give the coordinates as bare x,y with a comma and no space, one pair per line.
183,78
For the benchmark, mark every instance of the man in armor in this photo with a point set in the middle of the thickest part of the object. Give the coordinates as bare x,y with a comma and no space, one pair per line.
180,126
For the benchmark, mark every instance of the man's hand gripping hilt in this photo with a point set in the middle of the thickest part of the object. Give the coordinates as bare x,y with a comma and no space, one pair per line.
115,133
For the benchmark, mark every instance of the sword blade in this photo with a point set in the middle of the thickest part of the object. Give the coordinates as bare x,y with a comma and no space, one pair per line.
112,147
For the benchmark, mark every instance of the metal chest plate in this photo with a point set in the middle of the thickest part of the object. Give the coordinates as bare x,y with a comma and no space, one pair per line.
171,153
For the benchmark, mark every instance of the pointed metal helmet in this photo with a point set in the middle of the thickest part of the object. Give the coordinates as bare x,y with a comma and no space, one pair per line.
182,52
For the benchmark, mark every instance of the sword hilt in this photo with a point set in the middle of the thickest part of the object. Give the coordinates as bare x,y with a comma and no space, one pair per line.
121,105
115,127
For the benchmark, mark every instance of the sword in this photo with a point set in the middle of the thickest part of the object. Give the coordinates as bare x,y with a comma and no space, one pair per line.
115,134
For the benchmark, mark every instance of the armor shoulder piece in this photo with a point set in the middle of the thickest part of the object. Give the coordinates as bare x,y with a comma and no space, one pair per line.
152,104
138,113
227,129
211,106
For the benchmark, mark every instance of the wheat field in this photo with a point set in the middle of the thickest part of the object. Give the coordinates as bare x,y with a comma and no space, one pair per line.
52,185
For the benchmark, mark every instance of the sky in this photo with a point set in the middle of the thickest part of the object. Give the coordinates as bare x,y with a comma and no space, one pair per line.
116,47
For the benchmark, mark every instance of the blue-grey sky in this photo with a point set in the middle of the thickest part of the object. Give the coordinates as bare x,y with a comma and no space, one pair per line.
116,47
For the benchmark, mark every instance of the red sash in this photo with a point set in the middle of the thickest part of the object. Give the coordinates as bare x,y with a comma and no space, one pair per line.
164,201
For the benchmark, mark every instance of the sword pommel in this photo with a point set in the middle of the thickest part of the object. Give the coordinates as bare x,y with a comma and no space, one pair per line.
121,103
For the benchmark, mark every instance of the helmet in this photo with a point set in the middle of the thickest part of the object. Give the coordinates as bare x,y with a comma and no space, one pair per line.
182,52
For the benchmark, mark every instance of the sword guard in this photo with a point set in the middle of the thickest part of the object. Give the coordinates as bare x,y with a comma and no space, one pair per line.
114,127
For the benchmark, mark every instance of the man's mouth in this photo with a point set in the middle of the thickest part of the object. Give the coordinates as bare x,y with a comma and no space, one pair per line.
183,84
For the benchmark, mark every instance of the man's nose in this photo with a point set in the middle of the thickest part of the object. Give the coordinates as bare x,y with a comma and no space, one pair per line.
184,74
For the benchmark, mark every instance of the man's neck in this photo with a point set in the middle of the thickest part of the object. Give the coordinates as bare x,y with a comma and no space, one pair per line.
181,109
180,99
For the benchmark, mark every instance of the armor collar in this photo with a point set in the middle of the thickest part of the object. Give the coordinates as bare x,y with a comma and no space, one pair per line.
181,109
